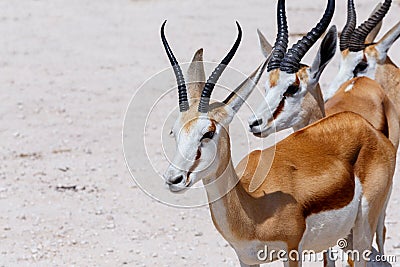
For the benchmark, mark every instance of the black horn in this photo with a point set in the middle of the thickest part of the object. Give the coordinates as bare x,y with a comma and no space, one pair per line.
182,92
357,40
217,72
349,27
291,61
281,42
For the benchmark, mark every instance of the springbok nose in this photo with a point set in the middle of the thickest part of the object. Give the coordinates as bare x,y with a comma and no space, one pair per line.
175,180
256,123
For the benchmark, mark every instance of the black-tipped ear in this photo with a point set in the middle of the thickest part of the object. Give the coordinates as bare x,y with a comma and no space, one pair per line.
325,53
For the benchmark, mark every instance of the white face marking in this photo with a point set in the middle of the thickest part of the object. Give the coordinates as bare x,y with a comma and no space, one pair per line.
193,155
291,113
324,229
349,87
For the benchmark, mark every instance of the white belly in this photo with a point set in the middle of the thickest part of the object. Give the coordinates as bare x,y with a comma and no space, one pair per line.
324,229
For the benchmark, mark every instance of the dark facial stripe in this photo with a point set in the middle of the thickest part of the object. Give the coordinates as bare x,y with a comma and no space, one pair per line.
212,128
279,108
195,164
198,154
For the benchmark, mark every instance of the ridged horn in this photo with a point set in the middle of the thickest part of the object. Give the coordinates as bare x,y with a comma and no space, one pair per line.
180,80
357,40
291,61
282,38
349,27
216,74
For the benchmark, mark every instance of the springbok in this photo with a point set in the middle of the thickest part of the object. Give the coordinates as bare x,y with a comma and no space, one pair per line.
360,95
318,185
288,81
298,106
360,56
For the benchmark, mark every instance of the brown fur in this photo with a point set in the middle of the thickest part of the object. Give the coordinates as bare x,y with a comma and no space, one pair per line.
187,126
388,76
367,99
279,109
314,111
306,179
274,78
302,75
312,170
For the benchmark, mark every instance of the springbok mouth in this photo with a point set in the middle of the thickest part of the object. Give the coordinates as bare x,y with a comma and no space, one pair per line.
177,188
264,132
182,187
257,134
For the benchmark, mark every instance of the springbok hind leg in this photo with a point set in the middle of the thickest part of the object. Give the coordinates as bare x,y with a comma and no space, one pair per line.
381,229
381,233
328,262
362,234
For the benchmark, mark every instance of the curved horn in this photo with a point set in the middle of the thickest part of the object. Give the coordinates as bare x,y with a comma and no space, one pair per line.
282,37
217,72
360,34
349,27
291,61
182,92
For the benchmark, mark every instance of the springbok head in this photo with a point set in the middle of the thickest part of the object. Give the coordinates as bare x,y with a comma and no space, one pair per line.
201,129
290,84
360,55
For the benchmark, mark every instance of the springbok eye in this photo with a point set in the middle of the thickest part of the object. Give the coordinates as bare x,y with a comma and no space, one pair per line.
360,67
291,90
207,135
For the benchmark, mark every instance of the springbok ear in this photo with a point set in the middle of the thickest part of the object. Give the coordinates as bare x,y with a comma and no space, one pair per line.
387,41
196,75
372,35
325,53
236,99
266,47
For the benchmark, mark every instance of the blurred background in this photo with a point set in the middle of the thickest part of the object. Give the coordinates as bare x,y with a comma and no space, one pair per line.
68,70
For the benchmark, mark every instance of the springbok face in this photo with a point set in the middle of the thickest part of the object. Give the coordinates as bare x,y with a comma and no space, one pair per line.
291,86
284,94
197,137
201,129
359,55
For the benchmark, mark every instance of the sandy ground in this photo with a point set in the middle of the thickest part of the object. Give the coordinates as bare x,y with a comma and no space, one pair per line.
67,72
